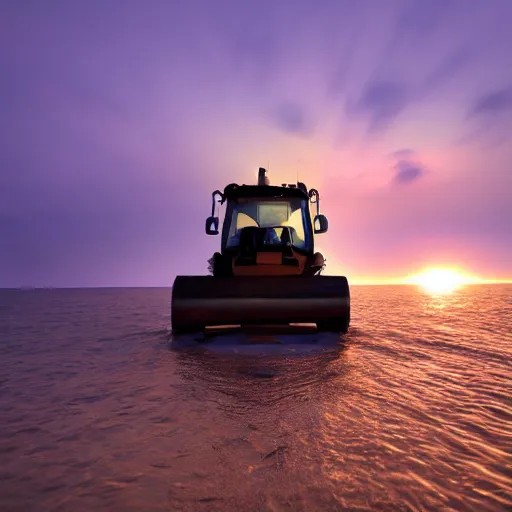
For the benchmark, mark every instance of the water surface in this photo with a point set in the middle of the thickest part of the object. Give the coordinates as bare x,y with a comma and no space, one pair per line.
101,410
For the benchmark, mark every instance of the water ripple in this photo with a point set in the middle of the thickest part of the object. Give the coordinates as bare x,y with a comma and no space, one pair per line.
102,410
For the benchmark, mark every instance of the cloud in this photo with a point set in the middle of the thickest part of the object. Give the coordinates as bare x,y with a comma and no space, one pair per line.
382,101
407,169
448,68
490,119
250,38
422,18
403,153
290,118
491,103
407,172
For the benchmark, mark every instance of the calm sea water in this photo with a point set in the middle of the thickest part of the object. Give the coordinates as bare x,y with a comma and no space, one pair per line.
101,410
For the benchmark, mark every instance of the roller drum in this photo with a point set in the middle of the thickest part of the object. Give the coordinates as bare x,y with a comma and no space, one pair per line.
200,301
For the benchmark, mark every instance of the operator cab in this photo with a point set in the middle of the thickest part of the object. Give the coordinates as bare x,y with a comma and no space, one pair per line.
267,226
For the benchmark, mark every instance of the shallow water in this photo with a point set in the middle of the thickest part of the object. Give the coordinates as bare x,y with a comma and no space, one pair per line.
101,410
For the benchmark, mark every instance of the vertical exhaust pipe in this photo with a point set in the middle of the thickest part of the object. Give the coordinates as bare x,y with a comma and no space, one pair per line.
262,177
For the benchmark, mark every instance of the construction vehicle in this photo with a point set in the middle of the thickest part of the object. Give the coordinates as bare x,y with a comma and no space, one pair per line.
267,272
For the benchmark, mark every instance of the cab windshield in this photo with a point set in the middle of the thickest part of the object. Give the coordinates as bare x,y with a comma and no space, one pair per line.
272,214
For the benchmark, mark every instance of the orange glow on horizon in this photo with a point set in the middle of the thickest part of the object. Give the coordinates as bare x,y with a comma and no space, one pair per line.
435,280
441,280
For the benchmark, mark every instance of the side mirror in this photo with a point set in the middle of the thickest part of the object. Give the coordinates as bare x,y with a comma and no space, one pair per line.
212,226
320,224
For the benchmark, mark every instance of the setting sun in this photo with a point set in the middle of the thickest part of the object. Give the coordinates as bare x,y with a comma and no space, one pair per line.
441,280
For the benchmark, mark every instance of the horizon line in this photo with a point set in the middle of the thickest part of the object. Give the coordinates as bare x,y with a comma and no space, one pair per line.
354,283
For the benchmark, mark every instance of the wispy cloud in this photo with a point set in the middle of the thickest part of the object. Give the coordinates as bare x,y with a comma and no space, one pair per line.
381,102
407,168
291,118
403,153
492,103
489,120
448,68
407,172
422,18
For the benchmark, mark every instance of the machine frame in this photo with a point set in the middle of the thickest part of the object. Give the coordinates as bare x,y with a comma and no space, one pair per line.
257,283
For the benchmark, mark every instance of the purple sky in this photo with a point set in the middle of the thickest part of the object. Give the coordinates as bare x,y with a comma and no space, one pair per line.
119,118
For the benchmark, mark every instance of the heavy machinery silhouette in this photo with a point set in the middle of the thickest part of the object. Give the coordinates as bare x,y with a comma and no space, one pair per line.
267,272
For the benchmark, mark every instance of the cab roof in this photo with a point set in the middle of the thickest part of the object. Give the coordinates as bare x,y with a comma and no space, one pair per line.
235,191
